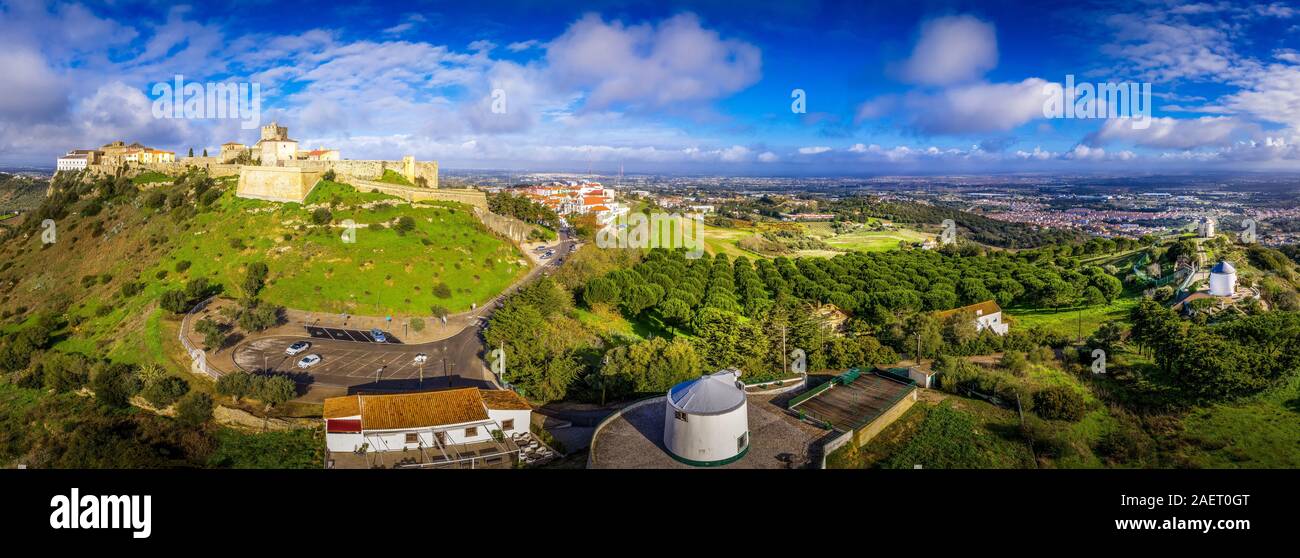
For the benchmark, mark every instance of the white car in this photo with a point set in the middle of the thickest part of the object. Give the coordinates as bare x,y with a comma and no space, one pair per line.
297,348
421,358
309,361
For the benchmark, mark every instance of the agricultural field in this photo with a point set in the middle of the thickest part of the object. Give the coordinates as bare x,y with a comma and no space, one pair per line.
732,241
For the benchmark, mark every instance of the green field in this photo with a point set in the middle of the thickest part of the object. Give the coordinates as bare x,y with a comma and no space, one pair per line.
1259,432
381,273
1072,320
719,240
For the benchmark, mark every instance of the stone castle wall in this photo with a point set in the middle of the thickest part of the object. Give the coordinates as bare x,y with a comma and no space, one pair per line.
279,184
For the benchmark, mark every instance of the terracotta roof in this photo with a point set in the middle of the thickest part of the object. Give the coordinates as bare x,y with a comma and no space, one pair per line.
504,400
429,408
980,309
337,407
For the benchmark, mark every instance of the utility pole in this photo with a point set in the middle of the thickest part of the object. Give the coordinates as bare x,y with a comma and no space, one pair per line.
784,356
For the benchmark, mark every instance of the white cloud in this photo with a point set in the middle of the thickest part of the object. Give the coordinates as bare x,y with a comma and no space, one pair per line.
656,66
768,157
952,50
1173,133
813,150
521,46
980,107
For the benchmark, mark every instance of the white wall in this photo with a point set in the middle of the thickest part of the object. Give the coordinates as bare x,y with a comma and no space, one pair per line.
992,321
395,440
705,437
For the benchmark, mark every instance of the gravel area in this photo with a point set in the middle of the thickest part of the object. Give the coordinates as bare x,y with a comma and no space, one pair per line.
777,440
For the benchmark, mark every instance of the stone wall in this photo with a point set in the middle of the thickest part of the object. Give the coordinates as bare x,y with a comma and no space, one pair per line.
280,184
467,196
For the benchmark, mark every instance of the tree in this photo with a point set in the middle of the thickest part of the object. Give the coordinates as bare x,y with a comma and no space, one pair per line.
165,391
205,152
191,152
259,318
235,385
649,366
675,312
276,390
600,290
174,301
1092,296
727,339
194,409
255,278
213,336
114,385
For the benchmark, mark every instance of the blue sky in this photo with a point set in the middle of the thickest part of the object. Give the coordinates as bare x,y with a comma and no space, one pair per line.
891,87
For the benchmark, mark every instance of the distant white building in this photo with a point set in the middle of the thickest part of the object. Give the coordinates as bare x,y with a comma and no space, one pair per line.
432,420
987,315
1205,228
70,162
1223,279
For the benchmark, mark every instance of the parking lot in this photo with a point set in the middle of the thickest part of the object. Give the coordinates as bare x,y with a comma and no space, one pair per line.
391,365
357,335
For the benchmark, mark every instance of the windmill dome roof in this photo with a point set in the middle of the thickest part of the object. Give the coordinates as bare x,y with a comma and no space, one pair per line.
1223,267
709,395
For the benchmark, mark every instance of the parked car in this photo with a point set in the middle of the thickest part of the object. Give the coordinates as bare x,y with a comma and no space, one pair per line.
421,358
379,336
546,255
309,361
297,348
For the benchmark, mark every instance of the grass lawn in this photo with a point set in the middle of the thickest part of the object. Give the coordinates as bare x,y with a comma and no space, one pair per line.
1260,432
393,177
381,273
1068,320
953,434
327,192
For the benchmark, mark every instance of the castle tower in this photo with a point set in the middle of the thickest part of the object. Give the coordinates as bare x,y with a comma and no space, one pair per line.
275,132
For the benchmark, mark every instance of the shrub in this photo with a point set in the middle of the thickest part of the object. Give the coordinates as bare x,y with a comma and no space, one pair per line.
114,385
165,391
321,216
235,384
194,409
1059,403
417,324
182,265
441,290
404,225
174,301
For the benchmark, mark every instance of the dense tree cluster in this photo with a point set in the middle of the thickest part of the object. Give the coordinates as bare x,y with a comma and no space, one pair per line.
524,209
1214,362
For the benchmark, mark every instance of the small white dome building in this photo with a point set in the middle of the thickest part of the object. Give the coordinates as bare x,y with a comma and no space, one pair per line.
1223,279
706,422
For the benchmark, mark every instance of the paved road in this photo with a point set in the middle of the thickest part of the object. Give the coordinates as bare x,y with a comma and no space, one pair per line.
352,359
